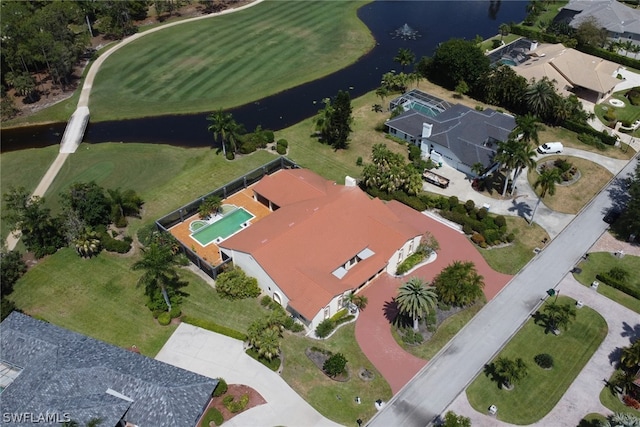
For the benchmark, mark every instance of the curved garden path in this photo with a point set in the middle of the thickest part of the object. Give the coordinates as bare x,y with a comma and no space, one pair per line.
373,331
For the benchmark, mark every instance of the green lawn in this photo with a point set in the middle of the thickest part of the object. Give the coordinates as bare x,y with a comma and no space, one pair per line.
229,60
335,400
99,297
510,259
601,262
539,392
447,330
629,113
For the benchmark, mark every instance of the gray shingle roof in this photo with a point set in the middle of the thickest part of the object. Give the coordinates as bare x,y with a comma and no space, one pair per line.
610,14
68,373
466,132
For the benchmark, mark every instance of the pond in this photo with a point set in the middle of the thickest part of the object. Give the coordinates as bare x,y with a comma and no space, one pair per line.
434,22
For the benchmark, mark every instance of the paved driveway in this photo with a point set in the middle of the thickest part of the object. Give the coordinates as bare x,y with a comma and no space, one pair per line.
214,355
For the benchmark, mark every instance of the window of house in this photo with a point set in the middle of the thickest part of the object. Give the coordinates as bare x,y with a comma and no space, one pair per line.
411,246
400,255
327,312
341,301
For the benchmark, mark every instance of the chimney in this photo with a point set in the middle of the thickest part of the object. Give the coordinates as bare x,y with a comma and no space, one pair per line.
533,46
426,130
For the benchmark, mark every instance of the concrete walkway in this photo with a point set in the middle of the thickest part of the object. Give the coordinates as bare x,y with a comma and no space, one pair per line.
214,355
583,396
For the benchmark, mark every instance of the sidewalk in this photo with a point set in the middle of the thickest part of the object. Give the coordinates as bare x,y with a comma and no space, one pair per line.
583,396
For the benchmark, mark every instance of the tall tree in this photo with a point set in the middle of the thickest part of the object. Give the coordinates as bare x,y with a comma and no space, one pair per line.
123,204
591,33
89,202
159,270
404,57
547,183
559,316
524,157
225,129
459,284
458,59
541,97
527,128
506,156
416,299
511,371
504,29
629,221
333,122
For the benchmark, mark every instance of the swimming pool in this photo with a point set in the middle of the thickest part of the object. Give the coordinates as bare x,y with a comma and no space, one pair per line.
221,229
509,62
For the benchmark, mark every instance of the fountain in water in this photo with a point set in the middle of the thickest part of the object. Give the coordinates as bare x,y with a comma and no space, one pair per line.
405,33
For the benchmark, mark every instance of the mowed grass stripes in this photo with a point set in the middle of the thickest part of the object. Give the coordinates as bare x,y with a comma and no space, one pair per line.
229,60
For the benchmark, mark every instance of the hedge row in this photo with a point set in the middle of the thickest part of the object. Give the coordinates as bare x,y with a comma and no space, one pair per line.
411,261
607,279
214,327
582,128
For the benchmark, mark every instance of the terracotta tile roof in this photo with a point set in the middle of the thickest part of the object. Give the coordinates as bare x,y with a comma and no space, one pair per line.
294,186
303,242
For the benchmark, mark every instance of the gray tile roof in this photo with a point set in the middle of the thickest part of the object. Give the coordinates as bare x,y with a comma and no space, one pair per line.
68,373
610,14
468,133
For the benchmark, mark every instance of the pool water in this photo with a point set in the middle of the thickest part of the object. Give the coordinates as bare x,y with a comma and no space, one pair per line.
223,228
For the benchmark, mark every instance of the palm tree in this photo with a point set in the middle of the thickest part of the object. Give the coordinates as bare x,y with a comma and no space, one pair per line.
158,264
630,357
477,168
87,243
621,419
506,157
382,92
225,128
123,204
416,299
527,128
524,157
404,57
541,96
510,371
459,284
547,182
268,342
210,205
504,29
359,301
559,316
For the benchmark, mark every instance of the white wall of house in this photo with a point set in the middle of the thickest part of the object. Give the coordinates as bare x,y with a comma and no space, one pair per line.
449,157
401,254
250,266
335,305
399,134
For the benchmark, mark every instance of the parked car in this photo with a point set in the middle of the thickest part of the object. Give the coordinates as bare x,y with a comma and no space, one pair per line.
550,147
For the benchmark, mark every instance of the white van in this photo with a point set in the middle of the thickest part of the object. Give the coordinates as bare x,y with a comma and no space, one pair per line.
550,147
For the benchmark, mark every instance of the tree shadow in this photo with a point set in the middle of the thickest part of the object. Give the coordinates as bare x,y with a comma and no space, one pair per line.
614,356
491,373
618,193
521,208
633,332
538,318
391,311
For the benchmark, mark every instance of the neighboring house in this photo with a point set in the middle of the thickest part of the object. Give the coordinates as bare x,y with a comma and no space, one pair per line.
458,135
621,21
321,242
52,375
587,76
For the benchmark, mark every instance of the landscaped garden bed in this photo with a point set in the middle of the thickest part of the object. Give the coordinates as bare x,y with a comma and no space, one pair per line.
235,393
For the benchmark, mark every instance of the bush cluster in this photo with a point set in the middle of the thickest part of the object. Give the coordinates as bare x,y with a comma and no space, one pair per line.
235,284
212,415
250,142
411,261
410,336
281,146
221,388
113,245
235,406
592,140
335,364
620,285
586,129
544,360
327,326
164,318
633,95
214,327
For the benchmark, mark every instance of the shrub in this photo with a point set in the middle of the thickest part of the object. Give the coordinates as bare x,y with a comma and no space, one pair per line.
283,142
477,238
265,300
607,279
619,274
500,221
511,237
325,328
221,388
412,337
112,245
481,214
410,262
214,415
339,315
235,406
544,360
359,161
334,365
230,155
345,319
268,136
630,401
164,318
175,311
281,150
467,229
214,327
453,202
235,284
227,400
469,205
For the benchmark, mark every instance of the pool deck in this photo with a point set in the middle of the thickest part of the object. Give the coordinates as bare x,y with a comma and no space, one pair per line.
211,252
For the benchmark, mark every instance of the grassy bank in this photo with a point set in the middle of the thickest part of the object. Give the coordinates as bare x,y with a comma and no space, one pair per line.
229,60
538,393
333,399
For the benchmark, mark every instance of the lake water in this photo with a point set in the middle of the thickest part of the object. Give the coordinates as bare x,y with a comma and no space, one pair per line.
435,22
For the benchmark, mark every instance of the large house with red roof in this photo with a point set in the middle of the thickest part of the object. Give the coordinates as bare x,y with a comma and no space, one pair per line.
321,242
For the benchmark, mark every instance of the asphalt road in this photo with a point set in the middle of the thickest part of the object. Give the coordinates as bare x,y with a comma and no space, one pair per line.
429,393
